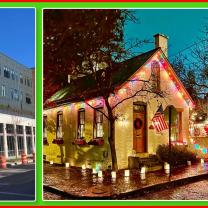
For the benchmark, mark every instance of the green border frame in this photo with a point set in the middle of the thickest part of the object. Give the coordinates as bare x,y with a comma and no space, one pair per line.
39,6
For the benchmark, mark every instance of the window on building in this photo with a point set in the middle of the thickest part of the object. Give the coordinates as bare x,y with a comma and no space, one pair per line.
59,126
3,91
81,124
16,76
11,146
6,72
28,82
155,75
1,128
29,145
28,130
33,130
21,79
16,95
19,129
10,128
12,75
28,99
1,145
20,143
98,123
45,126
175,123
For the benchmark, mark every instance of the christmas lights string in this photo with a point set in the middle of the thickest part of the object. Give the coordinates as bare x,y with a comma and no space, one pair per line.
128,87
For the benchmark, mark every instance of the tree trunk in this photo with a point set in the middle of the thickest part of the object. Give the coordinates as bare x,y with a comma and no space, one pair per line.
111,140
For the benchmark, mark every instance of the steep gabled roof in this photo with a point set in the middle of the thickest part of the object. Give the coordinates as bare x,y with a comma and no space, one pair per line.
122,71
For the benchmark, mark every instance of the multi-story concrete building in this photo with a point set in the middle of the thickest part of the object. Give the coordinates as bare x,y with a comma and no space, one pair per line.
17,108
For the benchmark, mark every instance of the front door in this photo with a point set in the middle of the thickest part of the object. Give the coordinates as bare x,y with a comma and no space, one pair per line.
139,125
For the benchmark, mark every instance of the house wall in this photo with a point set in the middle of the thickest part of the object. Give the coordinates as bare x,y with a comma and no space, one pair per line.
74,154
124,129
77,155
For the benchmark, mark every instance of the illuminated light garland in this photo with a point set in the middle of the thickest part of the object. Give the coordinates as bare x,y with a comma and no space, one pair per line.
197,147
122,91
82,105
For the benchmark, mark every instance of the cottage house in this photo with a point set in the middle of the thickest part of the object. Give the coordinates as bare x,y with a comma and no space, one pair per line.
76,133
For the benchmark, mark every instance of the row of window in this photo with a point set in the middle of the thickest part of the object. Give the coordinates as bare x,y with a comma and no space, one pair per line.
16,95
97,124
11,74
20,143
19,129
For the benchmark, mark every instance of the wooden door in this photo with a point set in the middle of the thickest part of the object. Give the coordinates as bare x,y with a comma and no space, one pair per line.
139,125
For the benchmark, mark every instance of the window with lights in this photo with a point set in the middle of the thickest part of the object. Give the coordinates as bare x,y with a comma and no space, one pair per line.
81,124
98,123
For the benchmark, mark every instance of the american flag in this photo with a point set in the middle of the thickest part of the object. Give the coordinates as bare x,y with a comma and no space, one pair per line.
158,120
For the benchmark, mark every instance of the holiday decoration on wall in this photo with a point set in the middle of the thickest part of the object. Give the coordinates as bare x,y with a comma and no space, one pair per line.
138,123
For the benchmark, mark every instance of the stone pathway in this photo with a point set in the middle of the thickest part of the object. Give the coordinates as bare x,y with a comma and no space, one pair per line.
80,183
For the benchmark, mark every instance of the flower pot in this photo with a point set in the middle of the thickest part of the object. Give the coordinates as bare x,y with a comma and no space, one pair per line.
79,142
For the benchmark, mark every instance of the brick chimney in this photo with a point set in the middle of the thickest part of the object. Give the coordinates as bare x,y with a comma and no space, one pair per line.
162,42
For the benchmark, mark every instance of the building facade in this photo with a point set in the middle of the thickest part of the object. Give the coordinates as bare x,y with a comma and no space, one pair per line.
17,108
76,133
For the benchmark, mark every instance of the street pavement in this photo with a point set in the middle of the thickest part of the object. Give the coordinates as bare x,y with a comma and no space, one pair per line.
17,183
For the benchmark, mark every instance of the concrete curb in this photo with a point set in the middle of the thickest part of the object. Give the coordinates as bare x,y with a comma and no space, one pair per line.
12,164
130,194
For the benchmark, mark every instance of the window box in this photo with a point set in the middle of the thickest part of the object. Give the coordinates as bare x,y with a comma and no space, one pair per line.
79,142
45,141
96,142
58,141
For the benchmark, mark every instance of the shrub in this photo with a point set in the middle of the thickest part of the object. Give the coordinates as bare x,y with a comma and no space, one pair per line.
179,154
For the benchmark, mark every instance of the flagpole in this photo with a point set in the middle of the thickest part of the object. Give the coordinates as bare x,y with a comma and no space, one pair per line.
170,139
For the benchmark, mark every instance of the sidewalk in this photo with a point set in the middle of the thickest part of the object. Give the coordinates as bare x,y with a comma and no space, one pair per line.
75,183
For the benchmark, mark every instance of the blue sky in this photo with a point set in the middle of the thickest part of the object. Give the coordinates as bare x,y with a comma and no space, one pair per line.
183,27
17,36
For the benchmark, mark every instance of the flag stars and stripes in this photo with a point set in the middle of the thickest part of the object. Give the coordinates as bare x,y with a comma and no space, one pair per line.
158,120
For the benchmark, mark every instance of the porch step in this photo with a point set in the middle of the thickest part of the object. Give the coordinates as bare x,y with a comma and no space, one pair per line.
151,162
142,155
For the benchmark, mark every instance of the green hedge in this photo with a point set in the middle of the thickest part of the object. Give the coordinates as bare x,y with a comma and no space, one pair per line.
179,154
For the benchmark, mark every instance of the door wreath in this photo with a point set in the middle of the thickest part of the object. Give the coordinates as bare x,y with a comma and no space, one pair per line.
138,123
